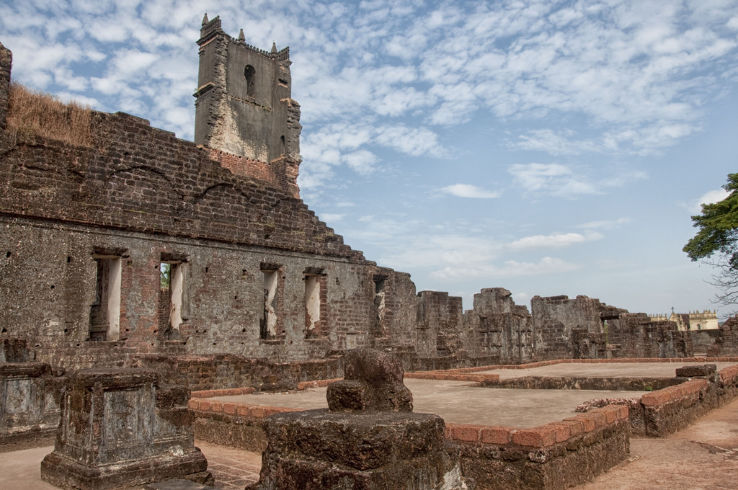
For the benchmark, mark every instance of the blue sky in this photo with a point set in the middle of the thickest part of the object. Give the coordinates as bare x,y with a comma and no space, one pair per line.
545,147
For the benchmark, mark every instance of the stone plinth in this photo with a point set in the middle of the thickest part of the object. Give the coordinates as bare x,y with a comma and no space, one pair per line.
29,405
319,449
119,427
368,439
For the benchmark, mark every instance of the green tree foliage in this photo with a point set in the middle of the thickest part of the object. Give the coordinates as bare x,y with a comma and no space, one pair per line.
718,228
165,275
716,242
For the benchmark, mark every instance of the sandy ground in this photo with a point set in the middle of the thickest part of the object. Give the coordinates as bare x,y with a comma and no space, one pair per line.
461,402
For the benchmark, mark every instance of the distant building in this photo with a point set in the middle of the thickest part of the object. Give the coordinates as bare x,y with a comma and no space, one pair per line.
704,320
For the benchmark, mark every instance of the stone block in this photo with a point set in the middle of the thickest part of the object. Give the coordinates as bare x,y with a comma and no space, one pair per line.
701,370
373,380
119,427
319,449
29,403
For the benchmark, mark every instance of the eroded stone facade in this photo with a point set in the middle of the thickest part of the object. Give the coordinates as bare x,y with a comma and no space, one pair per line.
259,285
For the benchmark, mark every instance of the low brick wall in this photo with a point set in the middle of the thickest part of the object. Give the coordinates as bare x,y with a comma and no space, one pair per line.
554,455
585,383
671,409
675,360
231,424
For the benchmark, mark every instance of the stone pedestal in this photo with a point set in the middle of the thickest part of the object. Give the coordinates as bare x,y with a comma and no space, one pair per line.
368,439
318,449
120,428
29,405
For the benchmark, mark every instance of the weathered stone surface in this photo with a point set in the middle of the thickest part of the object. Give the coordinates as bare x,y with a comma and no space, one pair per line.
244,104
367,439
319,449
372,381
561,465
29,404
120,428
696,371
6,58
14,350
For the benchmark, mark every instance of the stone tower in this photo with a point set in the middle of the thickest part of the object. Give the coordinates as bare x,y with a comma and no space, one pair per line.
243,103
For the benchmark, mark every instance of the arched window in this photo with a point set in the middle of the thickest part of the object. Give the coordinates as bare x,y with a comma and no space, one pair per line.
283,145
249,72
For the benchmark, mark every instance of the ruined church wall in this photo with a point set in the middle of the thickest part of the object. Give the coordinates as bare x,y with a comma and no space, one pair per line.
716,342
48,284
635,335
498,329
143,196
438,324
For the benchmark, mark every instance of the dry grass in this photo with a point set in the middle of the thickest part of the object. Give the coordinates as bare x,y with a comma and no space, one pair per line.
48,117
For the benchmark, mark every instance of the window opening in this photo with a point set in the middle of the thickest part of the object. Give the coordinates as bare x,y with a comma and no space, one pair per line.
171,289
315,299
105,309
268,322
379,304
250,73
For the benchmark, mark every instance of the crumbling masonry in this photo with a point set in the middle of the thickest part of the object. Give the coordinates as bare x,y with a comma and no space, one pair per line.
142,249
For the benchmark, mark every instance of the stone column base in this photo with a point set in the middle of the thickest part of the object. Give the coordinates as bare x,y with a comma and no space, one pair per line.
67,473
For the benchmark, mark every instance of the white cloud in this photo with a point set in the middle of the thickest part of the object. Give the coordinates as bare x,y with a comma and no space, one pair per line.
634,71
562,181
521,298
355,146
82,100
604,224
361,161
709,197
510,268
109,30
553,142
550,178
469,191
331,217
412,141
554,240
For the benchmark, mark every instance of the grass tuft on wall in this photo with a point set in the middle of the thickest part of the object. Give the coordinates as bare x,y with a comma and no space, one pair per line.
48,117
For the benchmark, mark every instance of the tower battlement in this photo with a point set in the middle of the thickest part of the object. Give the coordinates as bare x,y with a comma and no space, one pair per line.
243,100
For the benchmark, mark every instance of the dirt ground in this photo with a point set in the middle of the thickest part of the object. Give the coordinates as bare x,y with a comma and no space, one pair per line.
702,456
